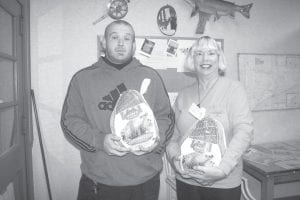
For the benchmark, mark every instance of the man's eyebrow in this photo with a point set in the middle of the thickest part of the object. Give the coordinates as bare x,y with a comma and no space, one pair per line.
118,33
206,50
112,33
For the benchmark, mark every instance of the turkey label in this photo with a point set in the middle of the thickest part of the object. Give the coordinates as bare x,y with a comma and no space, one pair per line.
204,144
133,120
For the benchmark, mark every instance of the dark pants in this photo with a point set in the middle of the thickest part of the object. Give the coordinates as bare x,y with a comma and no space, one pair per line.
89,190
190,192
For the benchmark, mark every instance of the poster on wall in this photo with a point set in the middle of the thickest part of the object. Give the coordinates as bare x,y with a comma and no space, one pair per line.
161,52
172,47
147,47
167,53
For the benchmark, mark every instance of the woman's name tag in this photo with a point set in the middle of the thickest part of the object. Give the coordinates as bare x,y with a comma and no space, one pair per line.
197,112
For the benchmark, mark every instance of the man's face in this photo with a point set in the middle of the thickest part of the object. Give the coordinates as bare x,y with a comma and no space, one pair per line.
120,45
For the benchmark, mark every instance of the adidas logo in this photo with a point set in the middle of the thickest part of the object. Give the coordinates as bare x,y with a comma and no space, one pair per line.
110,100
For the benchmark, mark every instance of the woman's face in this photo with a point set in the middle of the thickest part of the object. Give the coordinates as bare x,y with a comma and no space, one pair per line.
206,61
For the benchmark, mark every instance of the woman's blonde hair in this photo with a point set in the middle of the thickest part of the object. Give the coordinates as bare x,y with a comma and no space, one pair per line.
211,43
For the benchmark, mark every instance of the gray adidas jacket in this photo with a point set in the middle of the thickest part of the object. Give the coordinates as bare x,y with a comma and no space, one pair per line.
85,120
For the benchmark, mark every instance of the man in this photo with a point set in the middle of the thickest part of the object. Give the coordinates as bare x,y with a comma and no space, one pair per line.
110,170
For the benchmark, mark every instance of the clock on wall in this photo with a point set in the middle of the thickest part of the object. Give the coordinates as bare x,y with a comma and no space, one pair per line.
117,9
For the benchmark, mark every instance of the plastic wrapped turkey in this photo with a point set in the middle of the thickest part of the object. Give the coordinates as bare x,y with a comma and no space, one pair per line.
133,120
204,144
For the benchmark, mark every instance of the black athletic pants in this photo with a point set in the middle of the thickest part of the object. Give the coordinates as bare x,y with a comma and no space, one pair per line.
190,192
89,190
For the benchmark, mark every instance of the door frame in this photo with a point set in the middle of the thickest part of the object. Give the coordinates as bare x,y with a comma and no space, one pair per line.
27,108
24,113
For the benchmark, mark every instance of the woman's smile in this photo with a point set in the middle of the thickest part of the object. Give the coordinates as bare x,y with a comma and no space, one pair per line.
206,66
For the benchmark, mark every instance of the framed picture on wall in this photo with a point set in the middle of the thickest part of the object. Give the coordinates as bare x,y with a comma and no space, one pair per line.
172,47
147,47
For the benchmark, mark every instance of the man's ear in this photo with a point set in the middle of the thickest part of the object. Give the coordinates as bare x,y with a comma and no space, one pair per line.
133,48
103,42
102,45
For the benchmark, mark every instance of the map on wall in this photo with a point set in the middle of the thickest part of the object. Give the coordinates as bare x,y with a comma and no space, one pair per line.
272,81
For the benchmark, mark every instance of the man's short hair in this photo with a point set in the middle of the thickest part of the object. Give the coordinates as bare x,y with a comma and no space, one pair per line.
118,22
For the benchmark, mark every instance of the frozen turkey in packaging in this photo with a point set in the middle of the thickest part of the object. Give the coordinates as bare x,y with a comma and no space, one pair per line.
133,120
203,145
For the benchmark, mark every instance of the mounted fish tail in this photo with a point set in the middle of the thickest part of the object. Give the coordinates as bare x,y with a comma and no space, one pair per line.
216,8
245,10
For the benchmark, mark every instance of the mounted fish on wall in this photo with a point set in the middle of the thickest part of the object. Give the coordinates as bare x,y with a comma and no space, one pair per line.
167,20
216,8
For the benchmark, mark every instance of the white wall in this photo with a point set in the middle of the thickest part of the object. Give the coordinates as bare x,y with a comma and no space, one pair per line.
63,40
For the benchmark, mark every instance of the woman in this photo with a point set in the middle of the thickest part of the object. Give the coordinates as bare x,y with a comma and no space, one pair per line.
216,108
